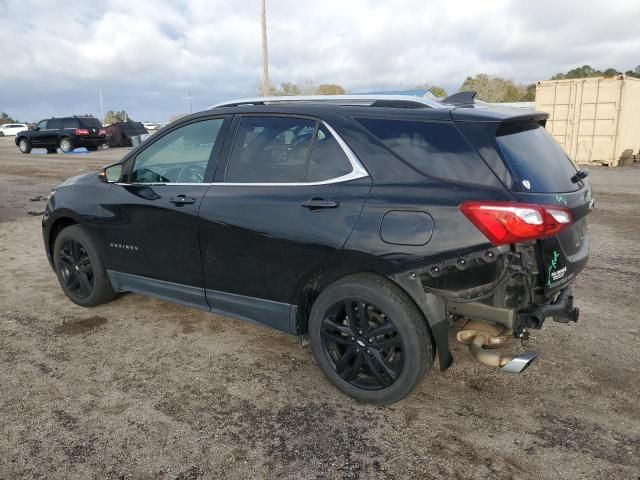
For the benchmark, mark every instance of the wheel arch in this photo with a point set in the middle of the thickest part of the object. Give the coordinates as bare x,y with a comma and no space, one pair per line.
57,226
317,279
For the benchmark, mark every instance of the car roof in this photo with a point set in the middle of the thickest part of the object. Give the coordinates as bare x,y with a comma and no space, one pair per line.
390,106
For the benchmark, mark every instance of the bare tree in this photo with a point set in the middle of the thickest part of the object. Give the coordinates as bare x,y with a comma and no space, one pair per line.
265,55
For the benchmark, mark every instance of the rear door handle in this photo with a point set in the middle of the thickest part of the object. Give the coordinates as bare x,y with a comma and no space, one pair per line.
319,203
182,200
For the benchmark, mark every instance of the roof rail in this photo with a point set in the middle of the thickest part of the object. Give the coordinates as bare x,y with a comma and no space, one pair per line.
378,100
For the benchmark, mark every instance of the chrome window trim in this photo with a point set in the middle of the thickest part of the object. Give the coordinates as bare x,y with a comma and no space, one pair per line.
357,171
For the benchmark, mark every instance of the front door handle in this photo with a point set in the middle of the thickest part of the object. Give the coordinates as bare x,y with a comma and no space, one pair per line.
319,203
182,200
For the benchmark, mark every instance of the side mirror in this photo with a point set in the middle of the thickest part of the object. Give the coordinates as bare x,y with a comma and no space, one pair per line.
112,173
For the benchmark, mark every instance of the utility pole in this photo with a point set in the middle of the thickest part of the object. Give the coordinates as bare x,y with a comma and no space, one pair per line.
190,106
101,109
265,54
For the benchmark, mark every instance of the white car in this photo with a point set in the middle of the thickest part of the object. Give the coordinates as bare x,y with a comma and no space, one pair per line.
12,129
150,126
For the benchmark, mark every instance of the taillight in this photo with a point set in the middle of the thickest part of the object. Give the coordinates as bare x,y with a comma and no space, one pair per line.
507,222
82,131
102,132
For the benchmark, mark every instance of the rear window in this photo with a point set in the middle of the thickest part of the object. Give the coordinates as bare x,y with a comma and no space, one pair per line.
535,158
90,123
435,149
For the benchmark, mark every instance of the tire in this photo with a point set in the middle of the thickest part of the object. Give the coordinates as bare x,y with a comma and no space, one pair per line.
66,144
52,150
1,134
24,145
393,338
80,270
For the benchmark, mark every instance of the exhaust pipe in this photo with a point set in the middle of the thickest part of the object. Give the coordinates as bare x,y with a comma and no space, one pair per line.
479,335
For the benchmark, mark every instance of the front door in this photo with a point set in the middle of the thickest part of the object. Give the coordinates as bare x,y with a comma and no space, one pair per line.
152,235
286,201
44,134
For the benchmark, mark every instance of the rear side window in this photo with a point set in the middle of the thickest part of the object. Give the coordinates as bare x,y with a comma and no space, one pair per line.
54,124
535,157
70,123
328,160
435,149
270,150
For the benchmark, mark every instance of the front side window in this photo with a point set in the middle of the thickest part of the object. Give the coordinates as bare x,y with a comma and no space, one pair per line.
42,125
270,150
180,156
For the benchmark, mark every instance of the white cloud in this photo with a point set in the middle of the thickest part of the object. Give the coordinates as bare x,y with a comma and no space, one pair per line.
146,56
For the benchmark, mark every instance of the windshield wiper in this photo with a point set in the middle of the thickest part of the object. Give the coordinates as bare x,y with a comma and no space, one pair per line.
580,175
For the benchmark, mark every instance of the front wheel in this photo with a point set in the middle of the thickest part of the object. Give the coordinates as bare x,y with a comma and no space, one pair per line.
80,271
370,339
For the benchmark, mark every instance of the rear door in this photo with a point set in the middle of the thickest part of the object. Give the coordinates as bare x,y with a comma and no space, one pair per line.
544,174
285,201
152,234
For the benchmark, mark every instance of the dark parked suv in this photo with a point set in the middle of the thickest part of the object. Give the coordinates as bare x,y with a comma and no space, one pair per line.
367,225
65,133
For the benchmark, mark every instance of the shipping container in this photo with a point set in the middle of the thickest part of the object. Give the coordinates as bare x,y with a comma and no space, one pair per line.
596,120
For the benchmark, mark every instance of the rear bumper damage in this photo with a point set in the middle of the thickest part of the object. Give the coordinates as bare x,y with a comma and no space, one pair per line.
561,309
487,306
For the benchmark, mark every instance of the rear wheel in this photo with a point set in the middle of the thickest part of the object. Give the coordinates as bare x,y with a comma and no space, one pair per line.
24,145
370,339
66,144
80,270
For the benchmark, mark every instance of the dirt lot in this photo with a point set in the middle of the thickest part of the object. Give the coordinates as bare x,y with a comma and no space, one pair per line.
141,388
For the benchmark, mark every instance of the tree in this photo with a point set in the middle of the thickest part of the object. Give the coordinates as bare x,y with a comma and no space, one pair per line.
634,73
496,89
530,94
586,71
436,90
113,117
306,88
330,89
5,118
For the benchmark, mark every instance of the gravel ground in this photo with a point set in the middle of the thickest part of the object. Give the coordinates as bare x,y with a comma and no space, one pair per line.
141,388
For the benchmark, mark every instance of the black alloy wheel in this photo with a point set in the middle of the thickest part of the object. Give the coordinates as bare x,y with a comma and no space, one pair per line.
76,269
369,339
362,344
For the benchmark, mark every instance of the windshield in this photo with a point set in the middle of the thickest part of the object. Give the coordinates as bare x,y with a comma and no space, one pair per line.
536,159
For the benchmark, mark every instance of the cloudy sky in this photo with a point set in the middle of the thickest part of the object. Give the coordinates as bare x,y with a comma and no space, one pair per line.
146,56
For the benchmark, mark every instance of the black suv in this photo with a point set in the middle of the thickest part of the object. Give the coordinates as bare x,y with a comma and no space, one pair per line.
66,133
365,225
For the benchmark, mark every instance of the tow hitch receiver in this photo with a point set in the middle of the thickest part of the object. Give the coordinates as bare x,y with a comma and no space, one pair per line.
483,336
